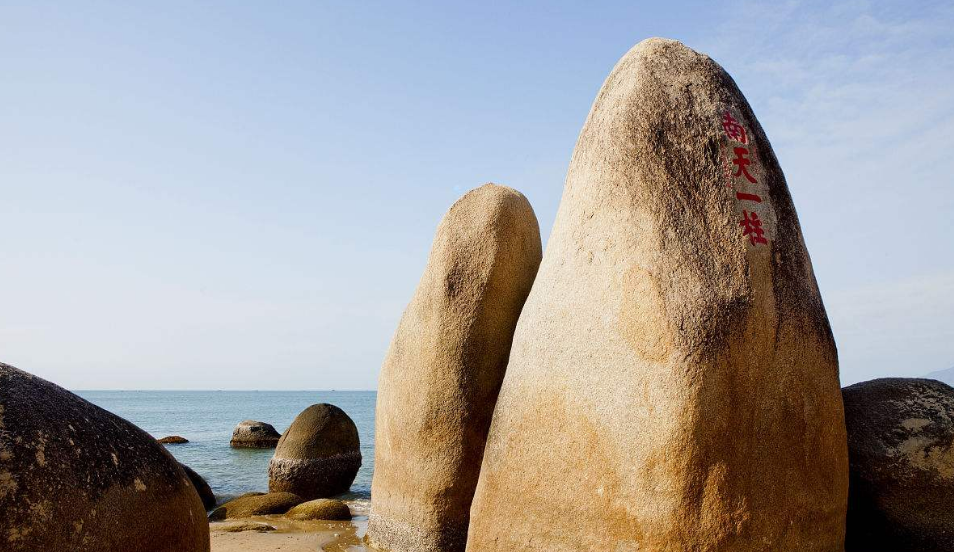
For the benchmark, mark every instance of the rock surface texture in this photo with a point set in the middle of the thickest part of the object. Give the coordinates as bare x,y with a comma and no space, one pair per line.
253,434
318,456
256,505
76,477
322,508
201,486
439,382
901,452
673,380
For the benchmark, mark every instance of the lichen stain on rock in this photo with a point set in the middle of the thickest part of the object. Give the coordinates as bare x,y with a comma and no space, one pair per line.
915,424
925,454
139,485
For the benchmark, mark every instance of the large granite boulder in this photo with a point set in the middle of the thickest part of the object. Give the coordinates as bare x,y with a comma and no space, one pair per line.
253,434
673,380
439,382
901,452
76,477
257,504
318,456
201,486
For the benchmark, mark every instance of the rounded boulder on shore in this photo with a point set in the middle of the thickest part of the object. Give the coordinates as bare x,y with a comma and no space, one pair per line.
76,477
901,453
256,505
254,434
321,509
318,456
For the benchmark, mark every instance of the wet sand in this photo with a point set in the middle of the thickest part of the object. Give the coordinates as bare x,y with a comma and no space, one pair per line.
289,535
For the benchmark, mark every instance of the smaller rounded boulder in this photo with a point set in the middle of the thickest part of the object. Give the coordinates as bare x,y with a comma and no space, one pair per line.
201,486
173,440
256,505
901,455
318,456
254,434
327,509
241,527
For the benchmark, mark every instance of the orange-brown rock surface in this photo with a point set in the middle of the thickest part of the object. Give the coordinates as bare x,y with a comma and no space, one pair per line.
439,382
673,381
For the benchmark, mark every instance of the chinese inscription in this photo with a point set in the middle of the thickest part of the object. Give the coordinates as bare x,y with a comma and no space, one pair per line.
740,167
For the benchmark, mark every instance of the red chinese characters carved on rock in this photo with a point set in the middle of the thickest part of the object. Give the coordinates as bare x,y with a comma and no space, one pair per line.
733,129
752,227
751,224
742,162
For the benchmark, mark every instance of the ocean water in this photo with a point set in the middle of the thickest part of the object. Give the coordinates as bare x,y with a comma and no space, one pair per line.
207,418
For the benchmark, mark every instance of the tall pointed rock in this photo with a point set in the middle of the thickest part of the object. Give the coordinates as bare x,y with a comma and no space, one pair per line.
673,381
440,379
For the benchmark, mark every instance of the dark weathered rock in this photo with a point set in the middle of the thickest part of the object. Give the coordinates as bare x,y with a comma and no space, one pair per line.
256,505
901,452
173,440
318,456
76,477
322,508
253,434
440,379
201,487
673,380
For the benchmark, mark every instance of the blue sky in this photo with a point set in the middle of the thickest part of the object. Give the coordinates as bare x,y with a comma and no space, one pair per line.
241,195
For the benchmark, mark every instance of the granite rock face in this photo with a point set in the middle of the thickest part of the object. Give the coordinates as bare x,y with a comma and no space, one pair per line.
253,434
439,382
318,456
673,380
76,477
901,452
258,504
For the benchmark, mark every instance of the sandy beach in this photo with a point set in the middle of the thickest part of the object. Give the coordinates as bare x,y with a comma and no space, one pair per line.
289,535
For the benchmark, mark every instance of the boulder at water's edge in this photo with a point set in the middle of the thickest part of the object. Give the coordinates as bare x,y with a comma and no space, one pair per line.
258,504
327,509
254,434
318,456
76,477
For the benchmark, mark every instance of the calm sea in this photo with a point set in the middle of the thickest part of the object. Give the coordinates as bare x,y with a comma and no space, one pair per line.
206,419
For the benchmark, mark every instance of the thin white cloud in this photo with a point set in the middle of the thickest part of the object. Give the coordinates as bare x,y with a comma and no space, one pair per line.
858,100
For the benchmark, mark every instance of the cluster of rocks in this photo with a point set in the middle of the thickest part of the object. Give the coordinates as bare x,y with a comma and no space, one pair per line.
76,477
289,504
663,377
667,379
